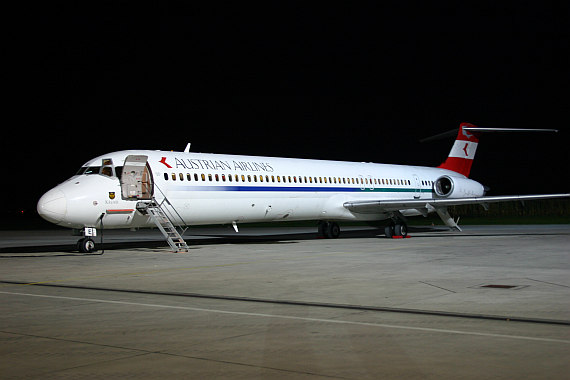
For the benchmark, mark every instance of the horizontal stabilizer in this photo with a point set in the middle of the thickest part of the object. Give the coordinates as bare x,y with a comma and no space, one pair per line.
453,132
479,129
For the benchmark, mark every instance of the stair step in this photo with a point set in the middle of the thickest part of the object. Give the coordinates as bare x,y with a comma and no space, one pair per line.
164,224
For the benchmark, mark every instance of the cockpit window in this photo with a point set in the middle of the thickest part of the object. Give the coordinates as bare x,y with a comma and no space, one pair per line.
89,170
119,171
106,169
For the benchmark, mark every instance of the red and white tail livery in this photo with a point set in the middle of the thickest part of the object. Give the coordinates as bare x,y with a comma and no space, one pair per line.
462,153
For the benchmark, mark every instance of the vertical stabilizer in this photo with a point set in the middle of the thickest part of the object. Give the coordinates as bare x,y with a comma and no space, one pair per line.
462,153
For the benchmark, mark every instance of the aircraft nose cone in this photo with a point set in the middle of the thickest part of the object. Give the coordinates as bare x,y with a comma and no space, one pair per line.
52,206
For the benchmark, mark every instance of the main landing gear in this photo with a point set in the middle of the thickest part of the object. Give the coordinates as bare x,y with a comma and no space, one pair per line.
329,230
396,230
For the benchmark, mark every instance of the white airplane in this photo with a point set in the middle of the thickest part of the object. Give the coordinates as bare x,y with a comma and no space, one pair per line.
141,188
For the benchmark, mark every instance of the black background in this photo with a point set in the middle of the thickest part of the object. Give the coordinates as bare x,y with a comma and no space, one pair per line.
351,81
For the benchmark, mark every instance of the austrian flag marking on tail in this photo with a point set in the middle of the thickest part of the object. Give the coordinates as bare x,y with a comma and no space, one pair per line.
463,151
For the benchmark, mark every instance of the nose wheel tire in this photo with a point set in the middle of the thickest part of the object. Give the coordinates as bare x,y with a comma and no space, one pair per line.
86,245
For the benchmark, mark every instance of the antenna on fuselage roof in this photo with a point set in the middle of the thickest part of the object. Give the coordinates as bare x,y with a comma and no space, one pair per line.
187,149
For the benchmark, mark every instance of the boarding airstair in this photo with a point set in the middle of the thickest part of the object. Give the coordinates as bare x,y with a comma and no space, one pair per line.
159,214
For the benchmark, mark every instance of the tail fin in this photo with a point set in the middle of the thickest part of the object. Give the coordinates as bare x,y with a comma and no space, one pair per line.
462,153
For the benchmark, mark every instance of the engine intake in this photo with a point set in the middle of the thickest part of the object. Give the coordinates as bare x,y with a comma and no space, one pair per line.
443,186
453,187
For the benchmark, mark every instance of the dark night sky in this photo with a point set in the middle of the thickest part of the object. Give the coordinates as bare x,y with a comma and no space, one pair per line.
349,81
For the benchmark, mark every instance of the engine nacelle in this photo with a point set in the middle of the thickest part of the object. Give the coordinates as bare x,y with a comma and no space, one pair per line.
453,187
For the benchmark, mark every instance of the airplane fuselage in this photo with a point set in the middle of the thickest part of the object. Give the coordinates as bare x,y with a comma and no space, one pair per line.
219,189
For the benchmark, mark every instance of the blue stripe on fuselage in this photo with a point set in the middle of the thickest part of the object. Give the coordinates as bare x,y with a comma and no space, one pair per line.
294,189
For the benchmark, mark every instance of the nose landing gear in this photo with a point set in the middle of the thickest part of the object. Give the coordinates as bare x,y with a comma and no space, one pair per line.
87,244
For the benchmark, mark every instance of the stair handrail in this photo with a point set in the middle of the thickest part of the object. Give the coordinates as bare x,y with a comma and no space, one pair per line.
165,199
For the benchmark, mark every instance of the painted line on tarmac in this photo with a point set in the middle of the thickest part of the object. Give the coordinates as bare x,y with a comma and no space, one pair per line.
439,313
290,317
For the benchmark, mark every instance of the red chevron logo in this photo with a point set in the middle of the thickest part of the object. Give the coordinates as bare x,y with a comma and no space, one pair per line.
465,149
163,161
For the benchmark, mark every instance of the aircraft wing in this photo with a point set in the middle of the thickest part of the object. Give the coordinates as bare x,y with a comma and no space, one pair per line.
438,204
376,206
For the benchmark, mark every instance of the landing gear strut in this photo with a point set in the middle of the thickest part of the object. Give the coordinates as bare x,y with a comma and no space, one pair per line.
329,230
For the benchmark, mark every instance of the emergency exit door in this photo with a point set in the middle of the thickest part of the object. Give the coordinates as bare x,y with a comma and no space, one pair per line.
136,179
417,187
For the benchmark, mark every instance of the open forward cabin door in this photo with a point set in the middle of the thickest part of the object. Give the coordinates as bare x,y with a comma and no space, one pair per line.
137,185
136,179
